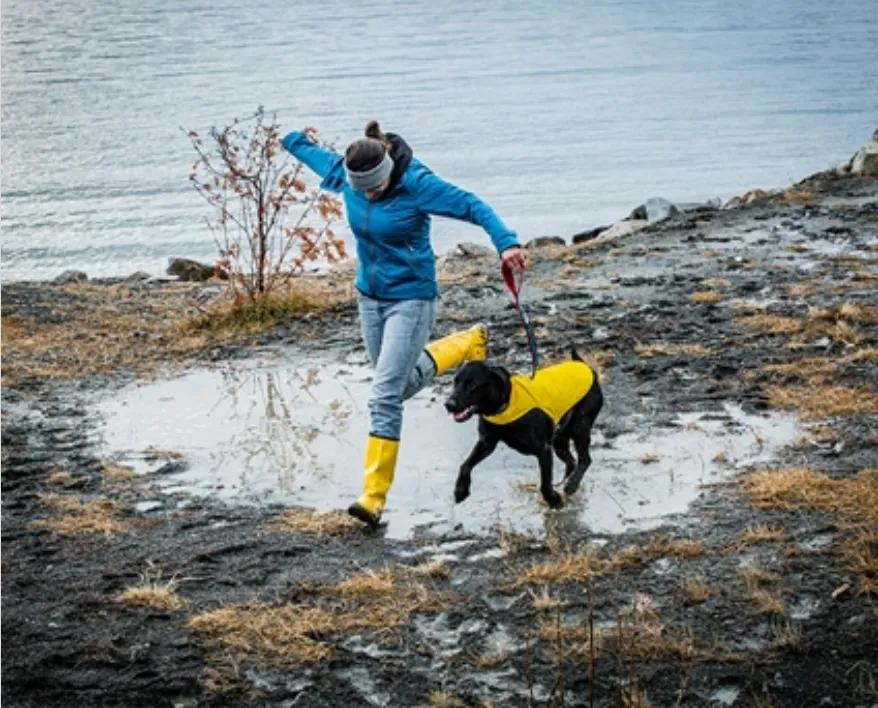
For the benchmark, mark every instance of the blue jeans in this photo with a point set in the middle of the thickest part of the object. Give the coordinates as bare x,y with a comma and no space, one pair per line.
395,332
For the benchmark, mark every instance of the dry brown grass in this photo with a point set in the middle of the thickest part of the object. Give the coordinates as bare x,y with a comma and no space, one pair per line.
153,593
307,521
97,516
60,478
490,661
544,602
649,350
853,500
369,583
273,635
787,635
755,577
666,545
795,196
819,402
770,324
706,296
714,283
866,354
565,567
694,591
765,602
759,533
803,289
98,329
814,371
114,473
444,699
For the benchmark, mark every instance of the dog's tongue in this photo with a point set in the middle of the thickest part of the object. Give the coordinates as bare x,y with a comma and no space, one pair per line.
465,414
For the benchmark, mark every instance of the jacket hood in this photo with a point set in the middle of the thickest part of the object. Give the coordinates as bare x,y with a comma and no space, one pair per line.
402,157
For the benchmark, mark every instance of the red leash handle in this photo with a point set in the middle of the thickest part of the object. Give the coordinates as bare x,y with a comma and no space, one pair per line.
514,287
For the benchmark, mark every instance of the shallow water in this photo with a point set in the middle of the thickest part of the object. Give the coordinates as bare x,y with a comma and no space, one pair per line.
292,432
562,116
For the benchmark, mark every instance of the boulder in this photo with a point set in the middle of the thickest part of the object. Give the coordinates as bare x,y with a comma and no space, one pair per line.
137,277
584,236
186,269
471,250
626,227
865,162
654,209
71,276
543,241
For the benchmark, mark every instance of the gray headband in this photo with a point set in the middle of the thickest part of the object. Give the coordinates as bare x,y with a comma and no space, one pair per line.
372,178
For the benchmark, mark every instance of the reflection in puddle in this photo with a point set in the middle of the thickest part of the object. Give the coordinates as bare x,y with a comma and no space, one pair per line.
292,434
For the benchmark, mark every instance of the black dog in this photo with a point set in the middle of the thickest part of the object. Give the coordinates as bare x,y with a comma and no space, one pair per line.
532,416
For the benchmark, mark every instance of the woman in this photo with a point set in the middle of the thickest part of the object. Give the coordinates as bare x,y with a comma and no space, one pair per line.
389,196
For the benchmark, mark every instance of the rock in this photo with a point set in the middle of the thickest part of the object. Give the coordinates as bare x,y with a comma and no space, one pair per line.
137,277
626,227
472,250
186,269
71,276
584,236
655,209
865,162
753,195
543,241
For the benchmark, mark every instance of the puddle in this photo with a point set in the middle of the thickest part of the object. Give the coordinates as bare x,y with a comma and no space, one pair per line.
289,433
725,695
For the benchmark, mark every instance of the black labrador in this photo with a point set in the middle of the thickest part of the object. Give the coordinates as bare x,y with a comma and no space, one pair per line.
532,416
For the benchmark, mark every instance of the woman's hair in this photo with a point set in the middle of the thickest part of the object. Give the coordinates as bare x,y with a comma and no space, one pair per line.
366,153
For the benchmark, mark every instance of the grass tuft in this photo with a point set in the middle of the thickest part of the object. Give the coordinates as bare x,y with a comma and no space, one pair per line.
706,296
818,402
854,500
82,517
307,521
566,567
60,478
694,591
278,635
153,593
650,350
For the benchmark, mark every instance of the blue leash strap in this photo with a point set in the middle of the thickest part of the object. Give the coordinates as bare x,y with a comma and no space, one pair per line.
515,289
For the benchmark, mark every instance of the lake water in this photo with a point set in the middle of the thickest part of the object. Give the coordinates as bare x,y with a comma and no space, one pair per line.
563,116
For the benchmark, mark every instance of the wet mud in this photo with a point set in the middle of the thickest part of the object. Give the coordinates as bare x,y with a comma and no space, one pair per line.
661,584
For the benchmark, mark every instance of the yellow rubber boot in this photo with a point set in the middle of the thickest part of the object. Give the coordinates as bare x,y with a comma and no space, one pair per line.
381,455
467,345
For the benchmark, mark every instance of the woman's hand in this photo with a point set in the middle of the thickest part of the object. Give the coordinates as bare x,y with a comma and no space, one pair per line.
514,259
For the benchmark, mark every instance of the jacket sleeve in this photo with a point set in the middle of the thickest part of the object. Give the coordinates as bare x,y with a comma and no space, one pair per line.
325,163
434,195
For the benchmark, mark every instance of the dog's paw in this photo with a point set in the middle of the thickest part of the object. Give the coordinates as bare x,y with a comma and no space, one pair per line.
461,492
571,484
553,499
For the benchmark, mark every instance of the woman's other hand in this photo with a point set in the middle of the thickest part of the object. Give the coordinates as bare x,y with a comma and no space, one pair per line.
514,259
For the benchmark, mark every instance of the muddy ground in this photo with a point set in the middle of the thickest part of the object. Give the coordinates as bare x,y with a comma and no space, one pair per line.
752,598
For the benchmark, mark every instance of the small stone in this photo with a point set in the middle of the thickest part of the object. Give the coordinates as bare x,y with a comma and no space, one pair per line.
71,276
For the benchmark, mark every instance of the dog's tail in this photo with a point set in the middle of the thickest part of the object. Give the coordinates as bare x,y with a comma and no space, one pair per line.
574,356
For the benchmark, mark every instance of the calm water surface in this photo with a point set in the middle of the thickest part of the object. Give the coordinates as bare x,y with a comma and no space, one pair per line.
562,116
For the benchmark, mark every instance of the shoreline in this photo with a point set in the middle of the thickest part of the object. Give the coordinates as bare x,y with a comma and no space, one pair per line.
755,594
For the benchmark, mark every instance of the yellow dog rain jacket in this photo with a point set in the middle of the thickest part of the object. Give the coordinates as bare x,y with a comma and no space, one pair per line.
554,390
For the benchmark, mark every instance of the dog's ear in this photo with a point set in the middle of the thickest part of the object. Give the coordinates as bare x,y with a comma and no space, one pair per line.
499,375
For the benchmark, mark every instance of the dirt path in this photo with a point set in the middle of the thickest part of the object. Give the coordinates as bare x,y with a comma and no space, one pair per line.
762,594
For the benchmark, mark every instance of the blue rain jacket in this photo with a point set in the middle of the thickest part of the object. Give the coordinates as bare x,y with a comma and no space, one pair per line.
395,259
